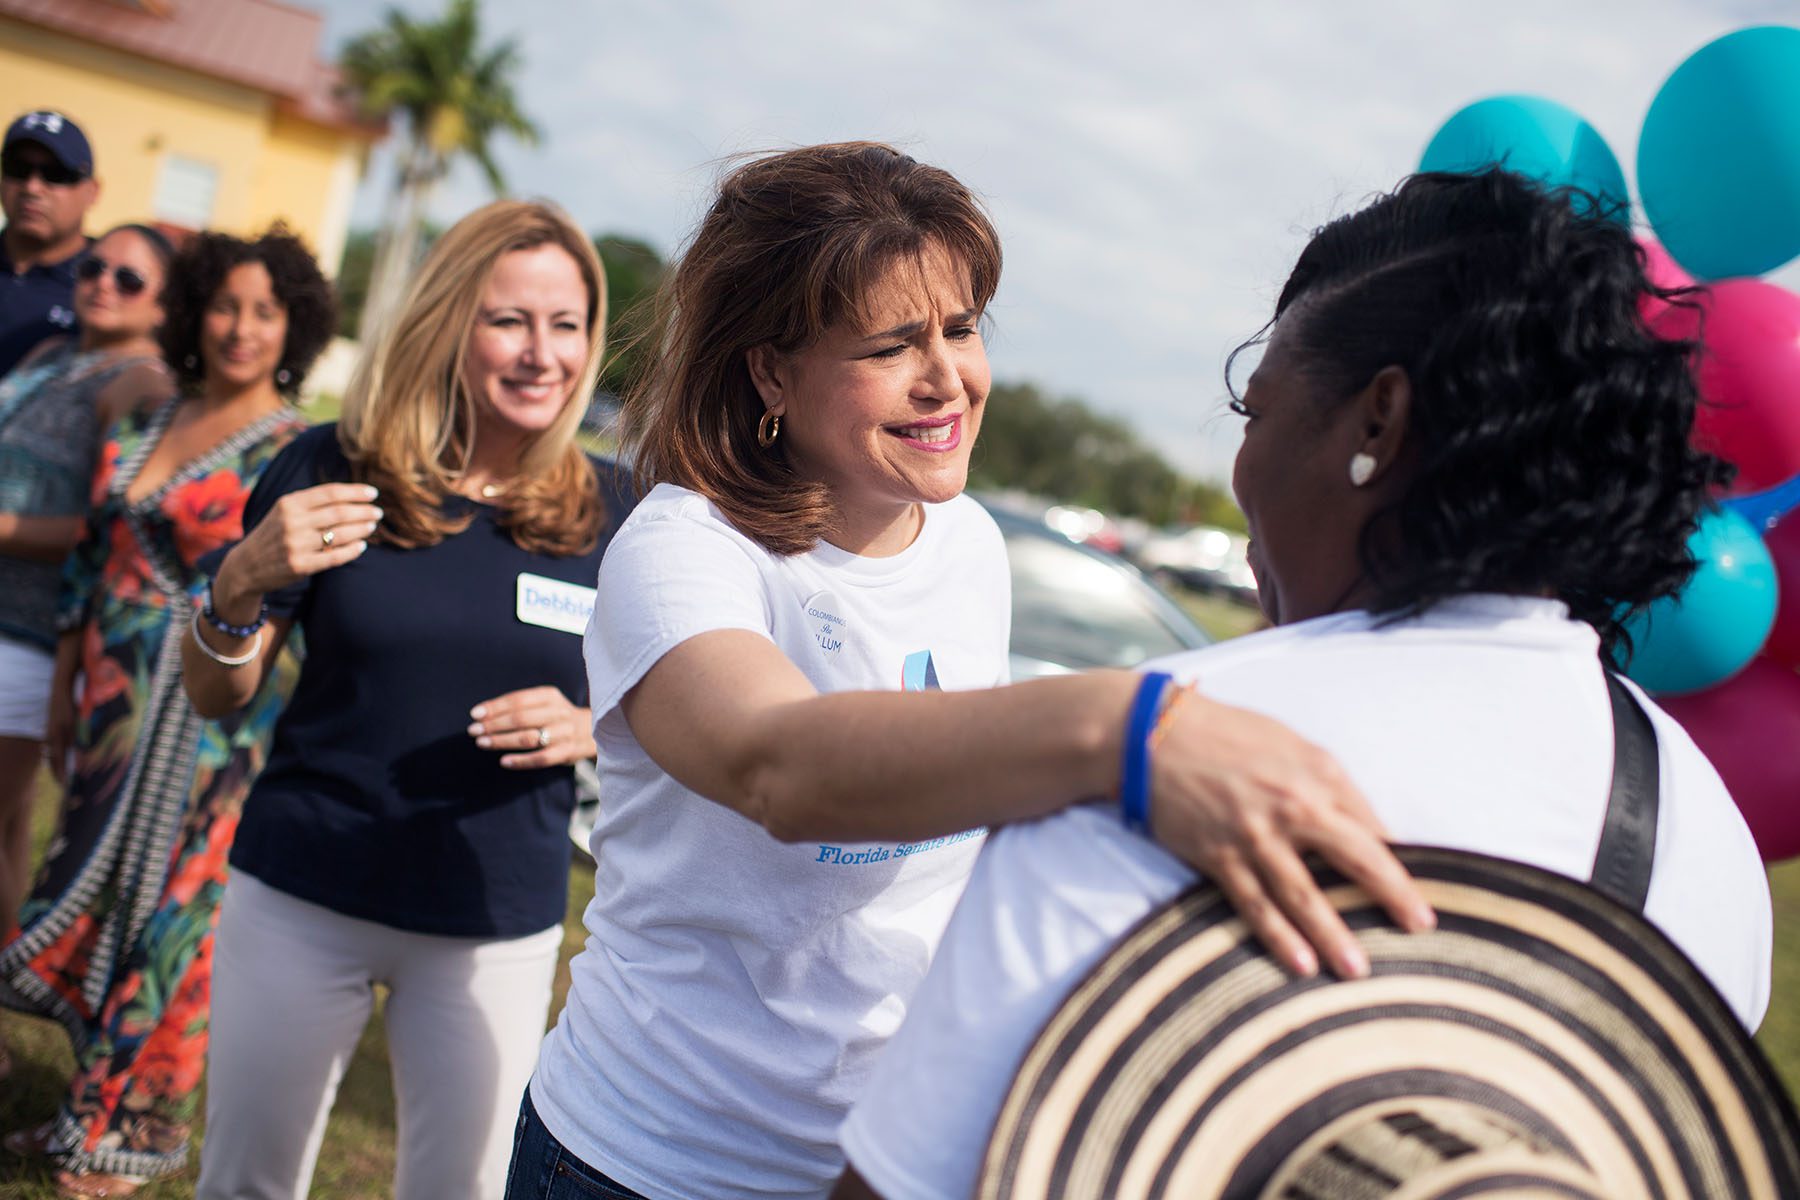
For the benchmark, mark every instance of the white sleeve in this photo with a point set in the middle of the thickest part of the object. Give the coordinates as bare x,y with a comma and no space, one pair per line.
664,580
1047,900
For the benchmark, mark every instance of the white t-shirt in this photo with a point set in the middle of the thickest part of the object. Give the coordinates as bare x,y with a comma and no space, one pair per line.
735,989
1484,725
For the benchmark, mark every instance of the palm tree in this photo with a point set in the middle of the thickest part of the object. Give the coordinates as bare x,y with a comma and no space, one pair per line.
456,97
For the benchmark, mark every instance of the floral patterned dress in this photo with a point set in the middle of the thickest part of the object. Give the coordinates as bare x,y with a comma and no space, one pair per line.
115,941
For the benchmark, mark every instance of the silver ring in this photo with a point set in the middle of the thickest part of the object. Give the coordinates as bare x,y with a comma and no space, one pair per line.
326,538
543,736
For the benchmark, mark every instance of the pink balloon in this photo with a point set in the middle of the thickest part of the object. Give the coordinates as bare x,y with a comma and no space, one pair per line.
1663,272
1783,542
1749,727
1749,377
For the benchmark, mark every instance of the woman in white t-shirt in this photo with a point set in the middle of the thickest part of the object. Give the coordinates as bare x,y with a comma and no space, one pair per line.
1465,461
785,829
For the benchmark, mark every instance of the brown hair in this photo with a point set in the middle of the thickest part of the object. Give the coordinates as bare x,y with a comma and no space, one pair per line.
793,246
408,423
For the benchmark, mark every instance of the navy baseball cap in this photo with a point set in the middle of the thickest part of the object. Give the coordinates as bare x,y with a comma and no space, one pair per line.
55,133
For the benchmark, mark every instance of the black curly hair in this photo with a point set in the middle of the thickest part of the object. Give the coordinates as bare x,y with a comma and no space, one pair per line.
199,271
1549,426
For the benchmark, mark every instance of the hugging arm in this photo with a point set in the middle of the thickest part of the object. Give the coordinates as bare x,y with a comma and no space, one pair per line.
1235,794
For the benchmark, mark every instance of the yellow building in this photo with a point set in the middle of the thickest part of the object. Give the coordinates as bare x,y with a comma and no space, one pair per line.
203,114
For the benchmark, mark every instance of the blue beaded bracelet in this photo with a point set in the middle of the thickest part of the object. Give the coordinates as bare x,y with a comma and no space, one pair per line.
1134,770
226,627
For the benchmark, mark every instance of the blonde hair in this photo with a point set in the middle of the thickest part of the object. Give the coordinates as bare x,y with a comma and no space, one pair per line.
408,421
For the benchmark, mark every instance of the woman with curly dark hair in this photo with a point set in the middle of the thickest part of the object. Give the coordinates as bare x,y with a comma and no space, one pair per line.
1465,461
115,941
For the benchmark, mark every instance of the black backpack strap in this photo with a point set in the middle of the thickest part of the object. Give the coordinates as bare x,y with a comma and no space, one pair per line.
1628,836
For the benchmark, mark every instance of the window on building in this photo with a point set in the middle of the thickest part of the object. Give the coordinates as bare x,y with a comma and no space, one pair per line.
185,192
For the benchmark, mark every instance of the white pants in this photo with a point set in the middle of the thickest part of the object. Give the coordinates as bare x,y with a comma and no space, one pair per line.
291,992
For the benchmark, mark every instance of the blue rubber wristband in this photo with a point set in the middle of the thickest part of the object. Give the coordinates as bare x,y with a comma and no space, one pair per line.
1134,770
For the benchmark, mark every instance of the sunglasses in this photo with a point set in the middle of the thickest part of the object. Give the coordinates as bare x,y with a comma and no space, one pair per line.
21,170
129,281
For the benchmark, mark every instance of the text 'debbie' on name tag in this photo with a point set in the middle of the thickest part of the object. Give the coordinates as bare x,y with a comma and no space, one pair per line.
554,604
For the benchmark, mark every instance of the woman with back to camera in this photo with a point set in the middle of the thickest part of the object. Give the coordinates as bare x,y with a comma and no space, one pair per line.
1464,460
53,406
410,829
116,938
793,664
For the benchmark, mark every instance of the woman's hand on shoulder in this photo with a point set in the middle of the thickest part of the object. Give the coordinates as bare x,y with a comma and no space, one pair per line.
533,727
304,533
1241,797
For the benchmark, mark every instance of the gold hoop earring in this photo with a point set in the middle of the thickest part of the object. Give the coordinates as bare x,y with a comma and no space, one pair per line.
768,429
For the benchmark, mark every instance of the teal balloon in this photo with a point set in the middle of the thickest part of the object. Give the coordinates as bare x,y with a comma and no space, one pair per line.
1716,625
1719,157
1534,137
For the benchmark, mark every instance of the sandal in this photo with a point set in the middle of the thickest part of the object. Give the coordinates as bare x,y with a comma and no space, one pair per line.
30,1143
81,1184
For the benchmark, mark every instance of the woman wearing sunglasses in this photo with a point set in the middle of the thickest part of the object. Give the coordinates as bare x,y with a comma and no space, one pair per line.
53,405
115,941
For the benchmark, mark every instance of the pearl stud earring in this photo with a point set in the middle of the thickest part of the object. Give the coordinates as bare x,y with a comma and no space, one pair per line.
1362,469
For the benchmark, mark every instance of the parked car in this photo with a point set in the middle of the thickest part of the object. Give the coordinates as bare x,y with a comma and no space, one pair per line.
1089,526
1075,608
1205,559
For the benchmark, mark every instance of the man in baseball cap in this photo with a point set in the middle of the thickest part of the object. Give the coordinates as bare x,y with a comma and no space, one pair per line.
47,185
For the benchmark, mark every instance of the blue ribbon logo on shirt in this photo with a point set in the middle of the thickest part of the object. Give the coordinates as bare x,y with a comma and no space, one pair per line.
919,673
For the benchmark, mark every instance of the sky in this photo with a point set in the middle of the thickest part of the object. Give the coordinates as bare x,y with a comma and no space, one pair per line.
1153,166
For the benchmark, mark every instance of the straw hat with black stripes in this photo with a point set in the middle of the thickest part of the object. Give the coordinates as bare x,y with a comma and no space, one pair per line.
1543,1041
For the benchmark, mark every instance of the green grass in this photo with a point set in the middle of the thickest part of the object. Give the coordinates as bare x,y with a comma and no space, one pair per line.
322,407
357,1158
1780,1032
1221,618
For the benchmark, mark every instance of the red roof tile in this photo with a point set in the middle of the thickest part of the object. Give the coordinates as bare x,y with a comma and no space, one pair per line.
258,43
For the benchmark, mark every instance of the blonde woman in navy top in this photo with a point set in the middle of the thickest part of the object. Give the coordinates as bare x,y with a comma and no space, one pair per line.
438,548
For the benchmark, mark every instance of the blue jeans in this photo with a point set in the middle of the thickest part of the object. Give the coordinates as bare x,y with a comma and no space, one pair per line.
542,1169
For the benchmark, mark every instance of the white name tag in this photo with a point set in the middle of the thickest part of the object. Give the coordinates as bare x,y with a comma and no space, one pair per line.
554,604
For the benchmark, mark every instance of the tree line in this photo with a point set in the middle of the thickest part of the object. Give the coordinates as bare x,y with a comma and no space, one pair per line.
1061,449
